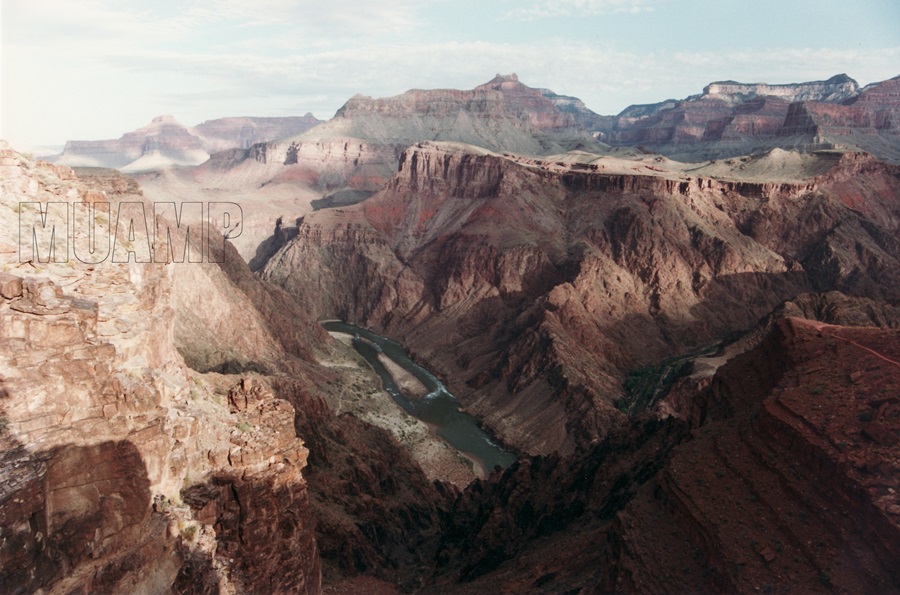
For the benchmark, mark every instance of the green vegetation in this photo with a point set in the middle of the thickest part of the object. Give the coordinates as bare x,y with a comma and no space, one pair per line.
244,427
645,386
188,532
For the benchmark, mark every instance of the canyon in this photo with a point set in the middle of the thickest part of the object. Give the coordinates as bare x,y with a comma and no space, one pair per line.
684,321
536,283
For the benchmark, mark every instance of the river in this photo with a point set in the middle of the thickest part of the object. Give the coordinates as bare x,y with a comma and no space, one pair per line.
439,408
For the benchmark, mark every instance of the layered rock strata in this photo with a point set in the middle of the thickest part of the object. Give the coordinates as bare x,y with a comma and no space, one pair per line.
730,119
108,434
786,483
166,142
532,285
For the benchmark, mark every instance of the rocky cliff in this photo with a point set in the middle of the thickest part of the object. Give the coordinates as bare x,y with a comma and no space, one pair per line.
834,90
730,119
109,437
534,285
530,104
358,148
166,142
242,133
502,114
151,421
787,483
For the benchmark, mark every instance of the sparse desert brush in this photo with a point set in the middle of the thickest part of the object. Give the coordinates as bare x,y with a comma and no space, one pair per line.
189,532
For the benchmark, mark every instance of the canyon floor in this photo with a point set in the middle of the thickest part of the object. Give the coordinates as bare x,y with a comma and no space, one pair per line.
360,394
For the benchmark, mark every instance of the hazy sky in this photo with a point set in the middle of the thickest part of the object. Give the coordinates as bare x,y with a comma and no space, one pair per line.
93,69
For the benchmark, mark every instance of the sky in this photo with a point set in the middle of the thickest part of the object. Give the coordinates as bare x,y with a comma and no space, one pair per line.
94,69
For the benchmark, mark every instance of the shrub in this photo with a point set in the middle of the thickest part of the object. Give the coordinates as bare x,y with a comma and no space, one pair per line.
188,532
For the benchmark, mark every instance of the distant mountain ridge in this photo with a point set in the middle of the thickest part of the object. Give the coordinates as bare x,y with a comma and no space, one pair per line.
730,119
727,119
165,142
500,115
835,90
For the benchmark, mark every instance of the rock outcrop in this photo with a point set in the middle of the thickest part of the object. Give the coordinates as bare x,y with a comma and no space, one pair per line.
788,482
166,142
730,119
109,437
534,285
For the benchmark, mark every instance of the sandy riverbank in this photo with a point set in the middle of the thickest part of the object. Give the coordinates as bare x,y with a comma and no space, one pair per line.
362,395
409,385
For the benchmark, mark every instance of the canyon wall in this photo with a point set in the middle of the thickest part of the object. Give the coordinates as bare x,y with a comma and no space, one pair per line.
123,468
787,483
532,286
731,119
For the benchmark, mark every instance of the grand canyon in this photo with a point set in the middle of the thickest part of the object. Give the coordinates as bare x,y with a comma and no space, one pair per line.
460,341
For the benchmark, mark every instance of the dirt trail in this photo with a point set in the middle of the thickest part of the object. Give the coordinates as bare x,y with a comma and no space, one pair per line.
827,330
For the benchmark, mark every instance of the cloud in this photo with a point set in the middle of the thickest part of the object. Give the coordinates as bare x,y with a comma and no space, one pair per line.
608,80
95,69
133,23
540,9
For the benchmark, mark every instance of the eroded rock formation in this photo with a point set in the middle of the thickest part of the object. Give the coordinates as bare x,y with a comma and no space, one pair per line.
106,431
166,142
788,482
730,119
532,285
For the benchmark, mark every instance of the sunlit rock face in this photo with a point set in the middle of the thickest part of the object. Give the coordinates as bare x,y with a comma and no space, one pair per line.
536,284
730,119
108,436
